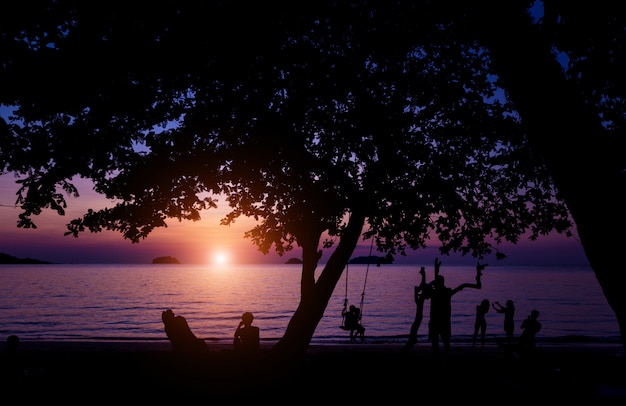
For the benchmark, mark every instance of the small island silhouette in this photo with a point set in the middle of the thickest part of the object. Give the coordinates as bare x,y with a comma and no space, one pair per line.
10,259
372,259
165,260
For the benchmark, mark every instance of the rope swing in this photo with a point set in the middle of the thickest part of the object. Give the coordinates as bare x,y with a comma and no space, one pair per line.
345,300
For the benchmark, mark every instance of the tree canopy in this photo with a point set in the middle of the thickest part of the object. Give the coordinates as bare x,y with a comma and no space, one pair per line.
324,121
295,125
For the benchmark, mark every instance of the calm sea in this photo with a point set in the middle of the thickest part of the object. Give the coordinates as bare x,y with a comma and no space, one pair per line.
124,302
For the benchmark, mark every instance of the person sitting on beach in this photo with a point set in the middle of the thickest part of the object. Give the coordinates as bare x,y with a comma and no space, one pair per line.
183,340
530,327
352,323
440,323
509,314
13,369
247,337
480,324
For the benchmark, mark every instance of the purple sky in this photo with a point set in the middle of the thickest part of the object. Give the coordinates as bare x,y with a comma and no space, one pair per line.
201,241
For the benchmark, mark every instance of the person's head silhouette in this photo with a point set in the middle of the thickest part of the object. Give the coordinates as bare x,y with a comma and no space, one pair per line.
440,281
13,343
247,318
167,315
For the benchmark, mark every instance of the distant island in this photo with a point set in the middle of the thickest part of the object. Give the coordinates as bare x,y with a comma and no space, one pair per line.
10,259
165,260
372,259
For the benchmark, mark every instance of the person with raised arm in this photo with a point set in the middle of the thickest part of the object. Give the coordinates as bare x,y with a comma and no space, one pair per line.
509,315
420,294
440,324
246,339
480,324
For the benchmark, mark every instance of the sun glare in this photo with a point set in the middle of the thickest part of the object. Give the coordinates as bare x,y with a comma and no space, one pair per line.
220,258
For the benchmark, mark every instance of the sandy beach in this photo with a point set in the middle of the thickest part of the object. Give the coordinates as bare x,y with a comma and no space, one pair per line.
79,372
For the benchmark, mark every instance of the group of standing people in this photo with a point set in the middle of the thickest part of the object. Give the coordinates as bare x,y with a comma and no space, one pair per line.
440,296
480,324
530,325
439,325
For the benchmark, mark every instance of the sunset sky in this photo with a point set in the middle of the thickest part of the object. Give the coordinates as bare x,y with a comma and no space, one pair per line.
205,240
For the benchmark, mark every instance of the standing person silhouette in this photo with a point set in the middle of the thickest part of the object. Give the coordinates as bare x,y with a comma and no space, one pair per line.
420,295
183,340
509,315
530,327
440,324
247,338
480,324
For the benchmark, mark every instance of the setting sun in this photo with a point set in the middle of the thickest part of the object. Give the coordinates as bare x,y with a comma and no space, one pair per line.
220,258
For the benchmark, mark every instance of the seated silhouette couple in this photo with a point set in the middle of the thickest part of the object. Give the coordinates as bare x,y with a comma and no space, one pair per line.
184,341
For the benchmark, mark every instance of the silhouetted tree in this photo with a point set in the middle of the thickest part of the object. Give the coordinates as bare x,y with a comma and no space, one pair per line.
563,69
329,123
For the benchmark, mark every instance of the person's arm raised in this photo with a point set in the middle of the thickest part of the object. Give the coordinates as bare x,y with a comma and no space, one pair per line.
437,266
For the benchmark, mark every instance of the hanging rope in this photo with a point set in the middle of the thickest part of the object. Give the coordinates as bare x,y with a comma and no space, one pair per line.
345,300
367,270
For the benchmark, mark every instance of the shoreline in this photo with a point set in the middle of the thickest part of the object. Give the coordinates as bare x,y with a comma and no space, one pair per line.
148,371
132,345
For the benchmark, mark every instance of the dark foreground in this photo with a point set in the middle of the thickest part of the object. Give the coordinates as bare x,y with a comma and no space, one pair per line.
355,374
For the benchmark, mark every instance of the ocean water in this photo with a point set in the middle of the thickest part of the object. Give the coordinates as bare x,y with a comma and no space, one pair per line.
124,302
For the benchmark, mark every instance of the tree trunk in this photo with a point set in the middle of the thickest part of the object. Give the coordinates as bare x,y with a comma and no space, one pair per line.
570,137
316,294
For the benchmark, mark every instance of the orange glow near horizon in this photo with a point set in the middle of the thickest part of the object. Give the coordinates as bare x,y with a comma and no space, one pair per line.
200,242
204,241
